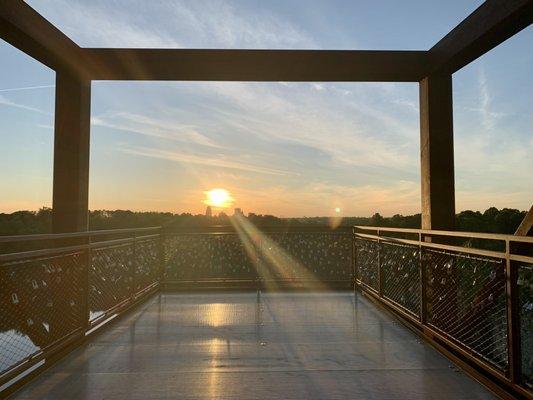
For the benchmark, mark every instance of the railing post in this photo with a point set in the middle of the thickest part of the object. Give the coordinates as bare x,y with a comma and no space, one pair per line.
423,288
261,265
133,266
380,277
354,259
161,253
86,282
513,329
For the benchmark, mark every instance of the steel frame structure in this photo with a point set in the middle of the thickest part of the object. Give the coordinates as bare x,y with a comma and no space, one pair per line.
491,24
76,67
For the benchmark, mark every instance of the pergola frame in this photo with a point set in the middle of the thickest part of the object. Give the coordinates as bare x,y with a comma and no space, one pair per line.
491,24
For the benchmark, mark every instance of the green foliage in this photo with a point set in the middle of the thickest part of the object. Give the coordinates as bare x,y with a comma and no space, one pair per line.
505,220
26,222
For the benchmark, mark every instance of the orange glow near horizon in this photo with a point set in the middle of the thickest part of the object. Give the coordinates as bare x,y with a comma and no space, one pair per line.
219,198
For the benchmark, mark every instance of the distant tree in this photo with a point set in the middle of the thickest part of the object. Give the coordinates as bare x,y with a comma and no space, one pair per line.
471,221
507,220
28,222
377,220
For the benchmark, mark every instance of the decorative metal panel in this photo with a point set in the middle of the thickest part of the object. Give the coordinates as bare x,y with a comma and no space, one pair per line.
206,257
110,278
400,269
367,258
291,256
525,304
466,300
41,303
308,256
147,268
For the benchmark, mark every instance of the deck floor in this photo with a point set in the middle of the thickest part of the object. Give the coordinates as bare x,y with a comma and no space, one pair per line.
239,346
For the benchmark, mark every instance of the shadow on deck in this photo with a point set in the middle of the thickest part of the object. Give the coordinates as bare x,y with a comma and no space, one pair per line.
243,346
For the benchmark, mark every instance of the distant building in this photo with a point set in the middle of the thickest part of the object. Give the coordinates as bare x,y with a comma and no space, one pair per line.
238,211
208,212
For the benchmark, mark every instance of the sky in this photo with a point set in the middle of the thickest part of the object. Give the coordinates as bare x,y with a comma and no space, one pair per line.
289,149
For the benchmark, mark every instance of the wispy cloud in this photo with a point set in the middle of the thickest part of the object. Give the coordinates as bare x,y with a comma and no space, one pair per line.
18,89
211,23
154,127
489,117
109,25
206,160
352,132
9,103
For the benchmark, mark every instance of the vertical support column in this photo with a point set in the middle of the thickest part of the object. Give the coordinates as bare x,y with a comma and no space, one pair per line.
513,327
71,153
436,150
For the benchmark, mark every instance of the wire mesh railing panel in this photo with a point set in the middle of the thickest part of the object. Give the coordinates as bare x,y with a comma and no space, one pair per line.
400,271
466,301
200,257
367,259
308,256
110,278
146,263
525,315
41,302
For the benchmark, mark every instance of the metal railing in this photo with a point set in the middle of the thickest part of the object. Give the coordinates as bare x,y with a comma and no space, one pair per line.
469,293
272,257
67,286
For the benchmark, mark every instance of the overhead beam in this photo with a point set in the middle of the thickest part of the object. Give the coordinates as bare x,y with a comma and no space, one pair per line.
27,30
257,65
490,24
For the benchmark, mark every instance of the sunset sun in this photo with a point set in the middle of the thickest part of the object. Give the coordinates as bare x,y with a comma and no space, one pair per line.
219,198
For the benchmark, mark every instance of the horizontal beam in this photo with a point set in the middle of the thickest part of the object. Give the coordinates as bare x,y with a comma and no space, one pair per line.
257,65
30,32
490,24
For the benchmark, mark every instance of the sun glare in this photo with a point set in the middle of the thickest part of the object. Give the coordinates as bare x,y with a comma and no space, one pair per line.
219,198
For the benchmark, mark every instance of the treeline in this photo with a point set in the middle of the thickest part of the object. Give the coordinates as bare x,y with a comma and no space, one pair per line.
493,220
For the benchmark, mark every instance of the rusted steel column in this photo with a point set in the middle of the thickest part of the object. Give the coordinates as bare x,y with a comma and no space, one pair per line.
436,151
71,153
513,326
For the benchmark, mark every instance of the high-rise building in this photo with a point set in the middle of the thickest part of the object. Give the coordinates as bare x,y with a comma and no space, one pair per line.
208,212
238,211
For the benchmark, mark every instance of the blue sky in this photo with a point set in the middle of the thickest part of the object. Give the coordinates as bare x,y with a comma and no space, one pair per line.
289,149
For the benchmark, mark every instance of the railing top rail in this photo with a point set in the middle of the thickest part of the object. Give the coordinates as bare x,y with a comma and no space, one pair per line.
474,235
22,255
69,235
217,229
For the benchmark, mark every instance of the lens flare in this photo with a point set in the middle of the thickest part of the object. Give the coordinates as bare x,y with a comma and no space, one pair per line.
335,221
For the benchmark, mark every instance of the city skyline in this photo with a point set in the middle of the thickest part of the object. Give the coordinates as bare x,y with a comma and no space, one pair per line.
288,149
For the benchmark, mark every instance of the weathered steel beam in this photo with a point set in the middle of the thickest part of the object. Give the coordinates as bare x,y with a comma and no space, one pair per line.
257,65
490,24
526,226
71,154
436,151
30,32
